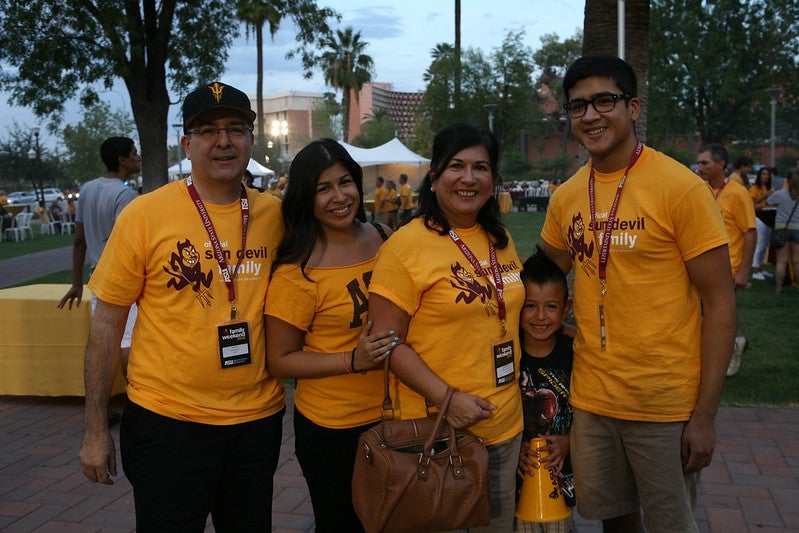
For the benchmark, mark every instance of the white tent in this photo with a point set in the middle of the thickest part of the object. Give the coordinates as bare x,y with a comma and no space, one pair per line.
388,160
391,153
182,169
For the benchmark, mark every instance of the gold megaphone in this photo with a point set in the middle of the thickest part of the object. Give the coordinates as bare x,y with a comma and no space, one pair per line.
540,499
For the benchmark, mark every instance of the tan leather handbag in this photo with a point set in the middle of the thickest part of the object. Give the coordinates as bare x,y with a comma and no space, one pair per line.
420,475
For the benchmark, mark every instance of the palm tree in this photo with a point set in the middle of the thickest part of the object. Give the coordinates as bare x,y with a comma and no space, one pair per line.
600,31
457,54
311,24
255,14
346,67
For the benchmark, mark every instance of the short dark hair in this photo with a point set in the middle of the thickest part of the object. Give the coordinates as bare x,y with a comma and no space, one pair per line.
540,269
112,149
603,66
717,152
446,144
302,228
744,161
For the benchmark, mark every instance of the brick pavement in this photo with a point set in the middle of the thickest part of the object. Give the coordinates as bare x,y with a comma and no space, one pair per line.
752,485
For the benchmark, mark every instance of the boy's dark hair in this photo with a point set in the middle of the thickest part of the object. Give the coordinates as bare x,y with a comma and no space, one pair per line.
540,269
112,149
603,66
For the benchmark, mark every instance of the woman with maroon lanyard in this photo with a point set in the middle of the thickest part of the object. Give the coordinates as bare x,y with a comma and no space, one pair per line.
448,283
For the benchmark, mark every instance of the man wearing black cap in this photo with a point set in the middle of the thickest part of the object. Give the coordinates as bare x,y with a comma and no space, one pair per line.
201,431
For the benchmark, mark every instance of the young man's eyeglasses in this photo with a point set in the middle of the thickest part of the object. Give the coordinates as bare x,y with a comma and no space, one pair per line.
602,102
207,133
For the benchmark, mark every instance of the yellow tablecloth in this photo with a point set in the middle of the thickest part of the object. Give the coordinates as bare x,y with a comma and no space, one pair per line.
15,209
41,346
505,202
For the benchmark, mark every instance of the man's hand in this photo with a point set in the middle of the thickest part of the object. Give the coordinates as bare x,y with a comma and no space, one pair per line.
74,293
698,443
98,457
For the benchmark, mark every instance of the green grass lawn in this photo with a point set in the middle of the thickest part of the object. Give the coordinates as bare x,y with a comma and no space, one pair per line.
39,243
769,375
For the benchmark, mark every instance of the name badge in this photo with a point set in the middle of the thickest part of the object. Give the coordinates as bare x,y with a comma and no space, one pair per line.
234,344
502,354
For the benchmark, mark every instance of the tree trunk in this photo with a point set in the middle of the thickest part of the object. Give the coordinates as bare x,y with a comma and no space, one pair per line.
600,36
260,143
457,54
149,101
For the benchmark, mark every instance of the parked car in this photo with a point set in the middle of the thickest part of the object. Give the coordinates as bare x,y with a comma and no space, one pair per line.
53,194
21,197
31,198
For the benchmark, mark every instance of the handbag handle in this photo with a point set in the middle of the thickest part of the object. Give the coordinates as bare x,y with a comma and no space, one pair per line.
455,458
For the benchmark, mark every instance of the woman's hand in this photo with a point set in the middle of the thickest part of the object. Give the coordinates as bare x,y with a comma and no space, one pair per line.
467,409
373,349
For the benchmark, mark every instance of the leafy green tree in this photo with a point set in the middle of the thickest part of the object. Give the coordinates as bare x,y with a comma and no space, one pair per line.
346,67
517,106
312,24
18,168
59,49
553,58
82,141
712,62
377,130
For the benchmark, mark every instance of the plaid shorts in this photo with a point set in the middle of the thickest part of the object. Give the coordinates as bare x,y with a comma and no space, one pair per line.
561,526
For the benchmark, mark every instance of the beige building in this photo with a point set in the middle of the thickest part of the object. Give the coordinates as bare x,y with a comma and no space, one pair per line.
288,125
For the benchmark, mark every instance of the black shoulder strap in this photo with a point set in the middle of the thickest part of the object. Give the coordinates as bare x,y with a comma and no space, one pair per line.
380,230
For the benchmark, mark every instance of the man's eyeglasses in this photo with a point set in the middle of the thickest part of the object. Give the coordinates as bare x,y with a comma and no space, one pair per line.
207,133
602,102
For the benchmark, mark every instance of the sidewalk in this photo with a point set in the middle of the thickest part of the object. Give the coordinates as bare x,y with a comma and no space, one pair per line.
752,485
20,269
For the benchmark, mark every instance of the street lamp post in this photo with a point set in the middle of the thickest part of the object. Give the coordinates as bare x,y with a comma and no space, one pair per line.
281,128
490,108
178,131
35,155
773,92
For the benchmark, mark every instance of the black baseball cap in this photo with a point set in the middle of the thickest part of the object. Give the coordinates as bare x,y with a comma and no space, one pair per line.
216,95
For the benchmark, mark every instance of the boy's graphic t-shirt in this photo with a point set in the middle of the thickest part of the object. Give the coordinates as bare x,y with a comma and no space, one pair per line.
544,383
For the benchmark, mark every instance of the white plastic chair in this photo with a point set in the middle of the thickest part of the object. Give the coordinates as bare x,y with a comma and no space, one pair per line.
67,223
25,225
15,229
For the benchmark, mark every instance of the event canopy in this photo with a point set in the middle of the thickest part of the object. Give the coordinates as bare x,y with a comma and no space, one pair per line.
391,153
255,168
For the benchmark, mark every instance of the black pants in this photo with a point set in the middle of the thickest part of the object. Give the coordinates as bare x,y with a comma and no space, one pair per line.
327,458
182,471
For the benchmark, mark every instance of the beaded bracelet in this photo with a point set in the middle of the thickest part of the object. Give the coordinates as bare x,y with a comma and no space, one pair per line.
344,362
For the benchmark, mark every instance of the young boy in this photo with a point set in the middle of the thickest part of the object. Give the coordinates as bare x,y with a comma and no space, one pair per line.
546,366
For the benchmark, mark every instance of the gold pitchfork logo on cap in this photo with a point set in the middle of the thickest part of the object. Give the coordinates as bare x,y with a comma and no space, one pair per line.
216,90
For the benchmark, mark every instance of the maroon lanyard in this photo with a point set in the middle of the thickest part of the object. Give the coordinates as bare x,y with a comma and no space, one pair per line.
227,275
717,193
495,270
604,247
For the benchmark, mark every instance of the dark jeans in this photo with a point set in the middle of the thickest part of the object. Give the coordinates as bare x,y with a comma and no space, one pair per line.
327,458
182,471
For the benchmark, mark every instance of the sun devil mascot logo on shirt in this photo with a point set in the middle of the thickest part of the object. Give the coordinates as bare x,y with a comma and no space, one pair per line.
470,289
186,271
